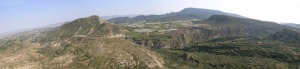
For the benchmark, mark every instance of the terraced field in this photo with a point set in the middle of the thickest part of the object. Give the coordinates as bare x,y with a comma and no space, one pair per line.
234,52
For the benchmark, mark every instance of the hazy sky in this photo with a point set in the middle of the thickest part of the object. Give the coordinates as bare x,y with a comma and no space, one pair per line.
21,14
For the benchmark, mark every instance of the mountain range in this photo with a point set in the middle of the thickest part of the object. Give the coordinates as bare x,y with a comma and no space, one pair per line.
293,25
185,14
190,39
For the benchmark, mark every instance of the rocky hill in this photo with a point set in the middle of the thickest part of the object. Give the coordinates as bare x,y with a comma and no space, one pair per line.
83,43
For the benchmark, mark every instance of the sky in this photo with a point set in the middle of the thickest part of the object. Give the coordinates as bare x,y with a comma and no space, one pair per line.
26,14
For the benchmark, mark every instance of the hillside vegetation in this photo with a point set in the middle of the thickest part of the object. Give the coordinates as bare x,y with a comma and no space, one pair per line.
190,39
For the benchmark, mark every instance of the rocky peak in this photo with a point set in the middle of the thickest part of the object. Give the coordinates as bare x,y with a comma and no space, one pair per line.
89,26
94,17
197,10
90,20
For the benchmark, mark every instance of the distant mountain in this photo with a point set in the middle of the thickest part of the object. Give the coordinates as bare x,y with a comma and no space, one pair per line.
292,25
243,26
114,16
20,31
185,14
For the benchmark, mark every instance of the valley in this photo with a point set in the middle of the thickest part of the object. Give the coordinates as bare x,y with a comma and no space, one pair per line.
189,39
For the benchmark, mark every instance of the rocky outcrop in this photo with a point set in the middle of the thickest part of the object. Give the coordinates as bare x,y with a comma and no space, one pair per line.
152,43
